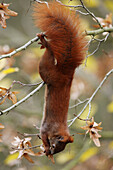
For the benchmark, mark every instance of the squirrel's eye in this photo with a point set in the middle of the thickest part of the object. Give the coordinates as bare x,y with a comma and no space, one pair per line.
60,138
53,145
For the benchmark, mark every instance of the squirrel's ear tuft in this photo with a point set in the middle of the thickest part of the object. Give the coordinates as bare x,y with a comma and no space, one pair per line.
70,139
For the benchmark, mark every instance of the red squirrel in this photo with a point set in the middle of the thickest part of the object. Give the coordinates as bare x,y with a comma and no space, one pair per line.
65,48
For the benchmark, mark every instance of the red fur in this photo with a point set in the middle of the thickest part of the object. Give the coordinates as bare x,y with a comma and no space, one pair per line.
65,50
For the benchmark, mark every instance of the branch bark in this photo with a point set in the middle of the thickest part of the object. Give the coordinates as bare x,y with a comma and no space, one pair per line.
19,49
99,31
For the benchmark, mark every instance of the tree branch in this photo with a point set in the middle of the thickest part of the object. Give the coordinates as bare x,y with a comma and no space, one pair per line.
100,31
23,84
22,100
93,33
19,49
86,9
90,13
91,98
79,103
98,45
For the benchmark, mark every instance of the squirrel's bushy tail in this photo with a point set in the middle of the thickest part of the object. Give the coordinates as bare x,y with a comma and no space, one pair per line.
63,31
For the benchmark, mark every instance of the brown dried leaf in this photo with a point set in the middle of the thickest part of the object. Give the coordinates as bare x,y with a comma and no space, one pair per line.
28,157
107,22
5,13
108,19
3,18
3,95
24,147
92,128
3,91
13,97
6,93
95,139
41,153
51,158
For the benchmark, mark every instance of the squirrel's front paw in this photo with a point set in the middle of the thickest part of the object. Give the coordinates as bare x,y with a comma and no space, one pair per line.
43,41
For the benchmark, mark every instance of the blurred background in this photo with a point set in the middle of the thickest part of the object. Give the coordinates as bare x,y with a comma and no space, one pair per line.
82,154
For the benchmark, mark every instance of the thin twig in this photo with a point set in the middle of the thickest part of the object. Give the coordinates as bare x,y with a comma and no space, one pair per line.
22,100
98,45
93,16
83,13
29,135
23,84
79,103
86,9
89,110
71,6
87,119
32,147
103,39
93,95
19,49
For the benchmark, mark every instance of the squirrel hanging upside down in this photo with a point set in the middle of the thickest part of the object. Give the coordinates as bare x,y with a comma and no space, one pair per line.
65,49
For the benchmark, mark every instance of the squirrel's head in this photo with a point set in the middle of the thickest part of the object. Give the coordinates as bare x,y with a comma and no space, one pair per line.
57,144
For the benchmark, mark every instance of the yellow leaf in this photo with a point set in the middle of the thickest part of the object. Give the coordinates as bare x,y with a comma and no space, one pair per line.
111,145
10,70
110,107
88,154
11,158
64,157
